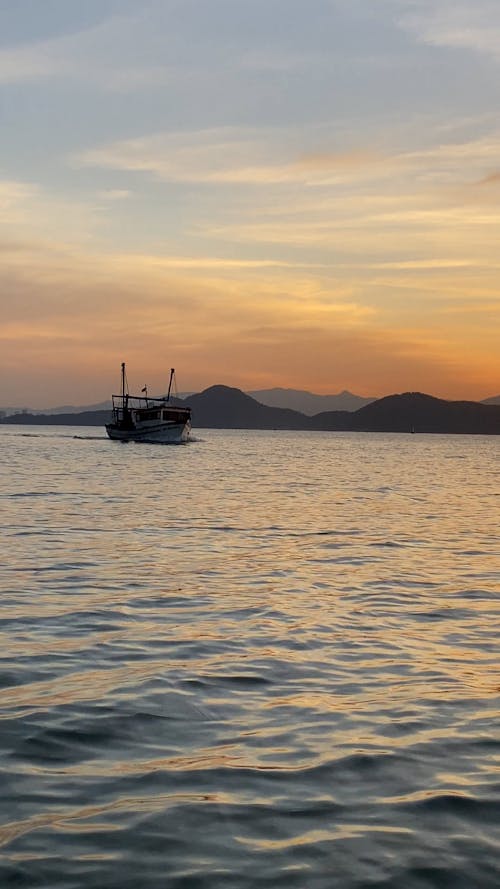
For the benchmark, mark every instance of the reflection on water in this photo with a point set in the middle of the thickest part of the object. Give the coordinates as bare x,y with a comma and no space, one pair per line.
264,659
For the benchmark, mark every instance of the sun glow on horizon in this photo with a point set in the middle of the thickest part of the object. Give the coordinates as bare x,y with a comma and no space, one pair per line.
300,237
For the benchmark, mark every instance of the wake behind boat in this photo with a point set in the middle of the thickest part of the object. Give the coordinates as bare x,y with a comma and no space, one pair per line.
141,418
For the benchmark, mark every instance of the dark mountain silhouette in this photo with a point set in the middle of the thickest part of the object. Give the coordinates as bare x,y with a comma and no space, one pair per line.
62,409
85,418
309,403
74,409
416,412
225,408
222,407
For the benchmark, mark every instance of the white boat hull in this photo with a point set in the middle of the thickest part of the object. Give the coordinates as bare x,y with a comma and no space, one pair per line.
177,433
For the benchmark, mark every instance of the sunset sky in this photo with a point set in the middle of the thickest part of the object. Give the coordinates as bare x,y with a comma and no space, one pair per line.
300,193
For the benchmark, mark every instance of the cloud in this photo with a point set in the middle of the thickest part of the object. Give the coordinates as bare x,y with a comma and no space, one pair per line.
79,314
29,210
13,197
356,159
424,264
114,194
222,264
490,179
157,45
28,63
459,25
230,156
111,54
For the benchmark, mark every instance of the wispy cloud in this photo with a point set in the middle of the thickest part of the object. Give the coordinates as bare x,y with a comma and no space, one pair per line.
144,49
490,179
230,156
237,156
29,63
460,25
114,194
28,210
109,54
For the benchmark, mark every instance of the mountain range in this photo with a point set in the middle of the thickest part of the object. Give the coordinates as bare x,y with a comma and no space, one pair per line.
308,403
222,407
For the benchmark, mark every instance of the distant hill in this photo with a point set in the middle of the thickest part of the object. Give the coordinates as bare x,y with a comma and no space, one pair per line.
85,418
222,407
63,409
308,402
72,409
226,408
217,407
416,412
299,400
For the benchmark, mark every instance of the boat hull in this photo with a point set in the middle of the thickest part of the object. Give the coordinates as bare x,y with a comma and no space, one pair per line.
172,433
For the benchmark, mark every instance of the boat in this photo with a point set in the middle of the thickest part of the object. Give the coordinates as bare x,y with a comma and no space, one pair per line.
142,418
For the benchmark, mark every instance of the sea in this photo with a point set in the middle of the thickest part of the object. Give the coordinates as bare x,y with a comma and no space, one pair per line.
261,659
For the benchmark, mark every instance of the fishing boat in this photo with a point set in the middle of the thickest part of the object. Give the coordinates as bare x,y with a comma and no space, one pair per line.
142,418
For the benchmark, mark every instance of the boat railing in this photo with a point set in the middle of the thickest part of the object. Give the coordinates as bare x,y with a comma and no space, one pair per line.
136,400
122,404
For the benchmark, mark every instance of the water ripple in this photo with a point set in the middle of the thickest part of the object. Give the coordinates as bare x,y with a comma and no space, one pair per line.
264,660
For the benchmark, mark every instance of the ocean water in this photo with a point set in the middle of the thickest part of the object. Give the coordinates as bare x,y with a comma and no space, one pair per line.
263,659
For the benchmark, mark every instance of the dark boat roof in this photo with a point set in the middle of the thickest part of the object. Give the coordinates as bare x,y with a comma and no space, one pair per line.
148,402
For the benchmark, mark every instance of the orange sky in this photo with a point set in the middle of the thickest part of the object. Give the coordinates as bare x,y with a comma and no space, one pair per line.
169,210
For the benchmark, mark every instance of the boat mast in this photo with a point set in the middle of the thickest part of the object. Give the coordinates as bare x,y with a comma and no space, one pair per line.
172,372
123,383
